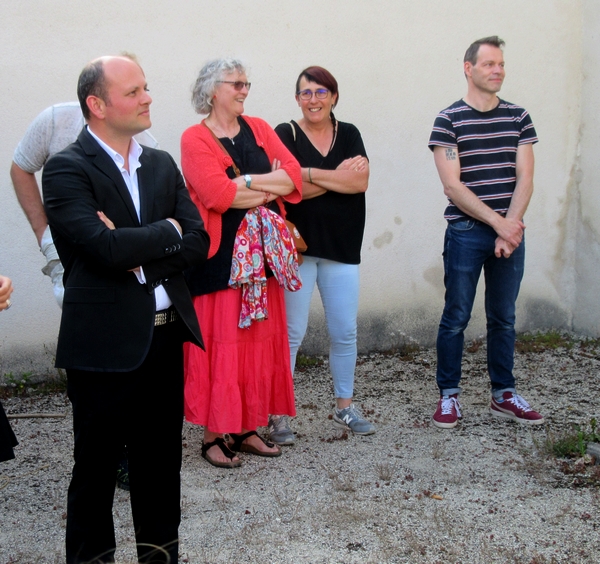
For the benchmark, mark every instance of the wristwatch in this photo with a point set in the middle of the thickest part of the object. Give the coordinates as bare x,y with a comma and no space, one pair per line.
248,180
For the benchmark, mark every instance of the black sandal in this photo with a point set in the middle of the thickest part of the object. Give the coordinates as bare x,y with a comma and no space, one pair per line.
239,446
220,442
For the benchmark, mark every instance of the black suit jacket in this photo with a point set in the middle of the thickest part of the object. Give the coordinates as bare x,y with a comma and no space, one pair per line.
108,316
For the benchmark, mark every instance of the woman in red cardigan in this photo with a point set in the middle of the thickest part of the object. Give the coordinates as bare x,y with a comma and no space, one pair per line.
232,164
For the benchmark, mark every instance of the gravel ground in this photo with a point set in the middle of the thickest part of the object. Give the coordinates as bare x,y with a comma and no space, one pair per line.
484,492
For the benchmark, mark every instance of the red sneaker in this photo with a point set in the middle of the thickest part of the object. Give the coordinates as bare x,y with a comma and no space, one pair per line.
513,406
447,414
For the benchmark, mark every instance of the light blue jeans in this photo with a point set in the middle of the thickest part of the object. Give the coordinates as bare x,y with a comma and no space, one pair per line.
338,286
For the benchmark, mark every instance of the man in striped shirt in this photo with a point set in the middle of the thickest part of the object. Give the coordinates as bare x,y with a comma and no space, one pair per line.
483,151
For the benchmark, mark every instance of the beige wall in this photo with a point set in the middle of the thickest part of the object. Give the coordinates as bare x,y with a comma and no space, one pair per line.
398,63
583,194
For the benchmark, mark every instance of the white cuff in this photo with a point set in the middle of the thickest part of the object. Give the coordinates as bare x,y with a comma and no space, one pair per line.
139,274
47,246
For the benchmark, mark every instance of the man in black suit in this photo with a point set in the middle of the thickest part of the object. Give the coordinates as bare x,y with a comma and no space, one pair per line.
125,228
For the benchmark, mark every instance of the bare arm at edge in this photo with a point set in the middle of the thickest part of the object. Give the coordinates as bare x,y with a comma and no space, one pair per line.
30,199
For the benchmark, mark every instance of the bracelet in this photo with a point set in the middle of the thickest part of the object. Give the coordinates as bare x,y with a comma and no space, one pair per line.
309,176
267,194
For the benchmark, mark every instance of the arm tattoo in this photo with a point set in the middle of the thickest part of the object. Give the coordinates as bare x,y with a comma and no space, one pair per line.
450,155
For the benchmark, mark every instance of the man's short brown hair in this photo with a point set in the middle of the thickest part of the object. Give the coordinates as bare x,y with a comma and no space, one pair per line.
473,50
92,82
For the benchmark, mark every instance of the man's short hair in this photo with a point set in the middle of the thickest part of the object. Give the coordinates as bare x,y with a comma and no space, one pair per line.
92,82
473,50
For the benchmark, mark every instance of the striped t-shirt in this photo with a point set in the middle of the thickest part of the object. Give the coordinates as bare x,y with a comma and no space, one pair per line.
487,148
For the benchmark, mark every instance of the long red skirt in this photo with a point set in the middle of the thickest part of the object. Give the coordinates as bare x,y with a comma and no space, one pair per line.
245,374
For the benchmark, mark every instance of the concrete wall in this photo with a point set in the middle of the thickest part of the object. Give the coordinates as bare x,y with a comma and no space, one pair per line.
398,63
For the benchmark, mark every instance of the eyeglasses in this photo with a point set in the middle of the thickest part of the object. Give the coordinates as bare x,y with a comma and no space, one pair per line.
237,84
320,93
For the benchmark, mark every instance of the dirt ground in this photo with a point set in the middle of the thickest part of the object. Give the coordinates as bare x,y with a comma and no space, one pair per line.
487,491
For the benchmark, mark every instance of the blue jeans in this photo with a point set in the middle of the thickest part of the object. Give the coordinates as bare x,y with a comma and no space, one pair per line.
338,285
468,246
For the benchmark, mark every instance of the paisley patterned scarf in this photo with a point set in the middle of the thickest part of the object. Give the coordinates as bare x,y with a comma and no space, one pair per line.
262,235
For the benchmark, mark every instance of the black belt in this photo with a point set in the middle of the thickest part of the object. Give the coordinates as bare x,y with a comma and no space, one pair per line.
165,316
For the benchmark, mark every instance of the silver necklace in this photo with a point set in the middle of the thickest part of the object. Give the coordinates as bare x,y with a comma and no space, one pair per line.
218,128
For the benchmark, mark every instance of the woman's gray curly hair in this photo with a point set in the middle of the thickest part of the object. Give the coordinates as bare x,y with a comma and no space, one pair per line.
206,83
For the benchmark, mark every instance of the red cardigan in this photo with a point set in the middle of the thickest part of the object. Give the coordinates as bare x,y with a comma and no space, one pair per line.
204,166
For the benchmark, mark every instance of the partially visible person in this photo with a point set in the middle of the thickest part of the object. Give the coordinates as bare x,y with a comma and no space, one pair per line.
125,228
50,132
331,219
238,172
7,437
6,289
483,151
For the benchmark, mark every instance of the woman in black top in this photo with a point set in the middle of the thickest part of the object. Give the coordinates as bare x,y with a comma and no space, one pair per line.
331,218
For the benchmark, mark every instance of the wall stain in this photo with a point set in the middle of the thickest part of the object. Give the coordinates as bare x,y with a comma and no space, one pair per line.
577,256
563,275
542,315
435,276
384,239
398,220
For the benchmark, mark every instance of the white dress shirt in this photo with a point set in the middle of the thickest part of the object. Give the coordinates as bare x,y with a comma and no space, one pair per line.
131,181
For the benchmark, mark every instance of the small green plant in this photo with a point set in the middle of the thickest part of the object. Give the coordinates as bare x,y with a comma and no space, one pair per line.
561,446
406,351
304,361
574,443
581,442
587,343
539,342
593,436
23,385
19,384
409,350
55,383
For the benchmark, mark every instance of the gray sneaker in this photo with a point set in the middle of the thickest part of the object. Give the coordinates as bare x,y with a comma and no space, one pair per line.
279,430
351,418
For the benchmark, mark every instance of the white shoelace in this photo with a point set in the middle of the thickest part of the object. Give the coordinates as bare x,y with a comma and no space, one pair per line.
448,404
519,402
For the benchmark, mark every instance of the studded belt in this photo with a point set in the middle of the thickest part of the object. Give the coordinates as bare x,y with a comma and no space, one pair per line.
165,316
